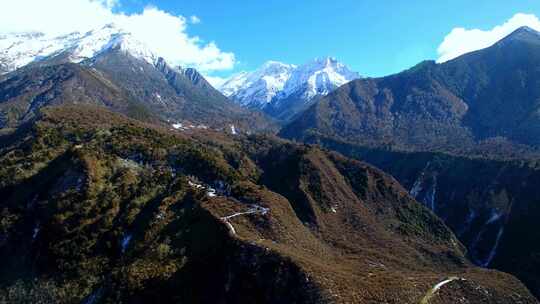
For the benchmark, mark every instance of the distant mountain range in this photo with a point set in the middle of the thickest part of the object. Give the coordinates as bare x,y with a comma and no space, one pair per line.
283,90
488,97
108,67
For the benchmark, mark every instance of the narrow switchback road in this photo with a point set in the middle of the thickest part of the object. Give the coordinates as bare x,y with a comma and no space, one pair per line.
431,293
254,210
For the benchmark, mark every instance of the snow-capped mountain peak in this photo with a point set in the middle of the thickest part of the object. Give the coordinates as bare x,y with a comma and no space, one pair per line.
255,89
110,37
318,77
20,49
275,81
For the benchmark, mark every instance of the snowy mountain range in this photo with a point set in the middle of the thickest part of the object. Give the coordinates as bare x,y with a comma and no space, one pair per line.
110,66
278,87
20,49
280,90
258,88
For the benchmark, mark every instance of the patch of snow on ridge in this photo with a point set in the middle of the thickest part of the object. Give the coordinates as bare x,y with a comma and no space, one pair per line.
194,185
211,192
178,126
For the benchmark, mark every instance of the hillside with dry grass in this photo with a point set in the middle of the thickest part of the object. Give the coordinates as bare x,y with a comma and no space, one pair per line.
101,208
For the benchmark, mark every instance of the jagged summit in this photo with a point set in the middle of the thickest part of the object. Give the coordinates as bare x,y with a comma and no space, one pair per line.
524,33
272,64
274,85
20,49
526,29
110,66
256,89
318,77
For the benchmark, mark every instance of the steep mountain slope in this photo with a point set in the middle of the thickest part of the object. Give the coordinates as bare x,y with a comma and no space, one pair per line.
173,94
177,94
283,90
107,209
24,93
491,205
489,96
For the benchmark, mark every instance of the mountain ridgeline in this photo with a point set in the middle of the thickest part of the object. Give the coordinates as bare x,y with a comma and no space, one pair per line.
284,91
176,94
108,67
488,98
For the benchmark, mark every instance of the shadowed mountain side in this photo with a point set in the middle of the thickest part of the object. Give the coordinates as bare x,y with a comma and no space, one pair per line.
490,204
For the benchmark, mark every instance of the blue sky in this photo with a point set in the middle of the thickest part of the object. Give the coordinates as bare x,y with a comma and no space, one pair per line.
373,37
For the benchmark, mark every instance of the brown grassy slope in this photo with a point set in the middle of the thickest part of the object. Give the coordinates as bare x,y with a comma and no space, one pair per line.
25,92
383,246
88,178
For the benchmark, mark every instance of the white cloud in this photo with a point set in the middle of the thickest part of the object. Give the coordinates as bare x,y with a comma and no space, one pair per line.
460,40
164,33
194,19
215,81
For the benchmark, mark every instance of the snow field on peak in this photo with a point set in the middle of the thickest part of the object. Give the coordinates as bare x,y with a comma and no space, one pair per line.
276,81
20,49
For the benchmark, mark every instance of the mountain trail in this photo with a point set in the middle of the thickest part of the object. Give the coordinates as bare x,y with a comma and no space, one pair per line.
433,291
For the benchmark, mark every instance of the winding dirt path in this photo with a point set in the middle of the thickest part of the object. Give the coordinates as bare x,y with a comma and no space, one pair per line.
254,210
433,291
